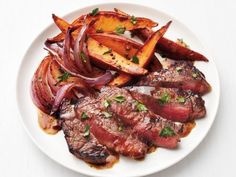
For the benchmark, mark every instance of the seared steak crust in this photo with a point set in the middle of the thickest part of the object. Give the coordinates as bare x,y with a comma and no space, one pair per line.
180,105
145,124
87,149
106,128
179,75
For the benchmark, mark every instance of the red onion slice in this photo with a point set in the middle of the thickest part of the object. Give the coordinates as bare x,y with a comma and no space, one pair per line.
41,92
80,51
69,63
97,81
63,93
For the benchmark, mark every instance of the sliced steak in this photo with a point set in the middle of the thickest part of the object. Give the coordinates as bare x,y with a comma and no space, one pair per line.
179,75
105,126
83,147
147,125
173,104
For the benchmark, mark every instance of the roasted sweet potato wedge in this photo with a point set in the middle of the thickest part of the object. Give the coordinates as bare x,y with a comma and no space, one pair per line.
111,59
106,21
143,55
166,47
63,26
124,46
171,49
109,21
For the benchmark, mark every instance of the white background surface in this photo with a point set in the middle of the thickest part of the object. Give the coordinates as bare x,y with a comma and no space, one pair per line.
213,21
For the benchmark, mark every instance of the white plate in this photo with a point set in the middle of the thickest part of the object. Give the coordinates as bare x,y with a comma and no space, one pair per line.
55,146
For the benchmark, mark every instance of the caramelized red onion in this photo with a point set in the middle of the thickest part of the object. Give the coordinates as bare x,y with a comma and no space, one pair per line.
63,93
80,51
41,92
52,81
96,81
68,61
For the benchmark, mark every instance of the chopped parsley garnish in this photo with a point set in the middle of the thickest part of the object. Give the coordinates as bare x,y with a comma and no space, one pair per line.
94,12
120,128
84,116
86,131
167,132
107,114
165,98
63,77
108,51
83,57
100,30
133,20
182,43
180,99
141,107
119,99
106,103
194,75
120,30
39,78
179,69
135,59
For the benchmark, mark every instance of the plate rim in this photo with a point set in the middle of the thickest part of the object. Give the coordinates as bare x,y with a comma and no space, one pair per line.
90,173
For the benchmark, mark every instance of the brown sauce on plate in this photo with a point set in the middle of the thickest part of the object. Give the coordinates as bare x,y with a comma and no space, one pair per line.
47,123
107,165
188,128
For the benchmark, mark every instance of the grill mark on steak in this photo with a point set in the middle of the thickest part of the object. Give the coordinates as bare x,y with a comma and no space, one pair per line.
107,132
182,106
87,149
179,75
146,124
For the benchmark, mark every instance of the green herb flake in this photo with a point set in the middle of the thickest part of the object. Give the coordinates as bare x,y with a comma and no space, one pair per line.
106,103
39,78
100,30
83,57
194,75
94,12
167,132
141,107
63,77
86,131
107,114
135,59
179,69
108,51
181,42
120,30
84,116
133,20
165,98
119,99
120,128
180,99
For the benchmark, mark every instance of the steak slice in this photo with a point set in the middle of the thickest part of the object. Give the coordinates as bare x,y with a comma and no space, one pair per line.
86,148
105,126
173,104
179,75
147,125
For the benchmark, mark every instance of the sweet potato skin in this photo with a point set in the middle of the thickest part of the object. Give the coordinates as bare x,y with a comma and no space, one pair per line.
100,55
124,46
144,55
171,49
108,21
166,47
